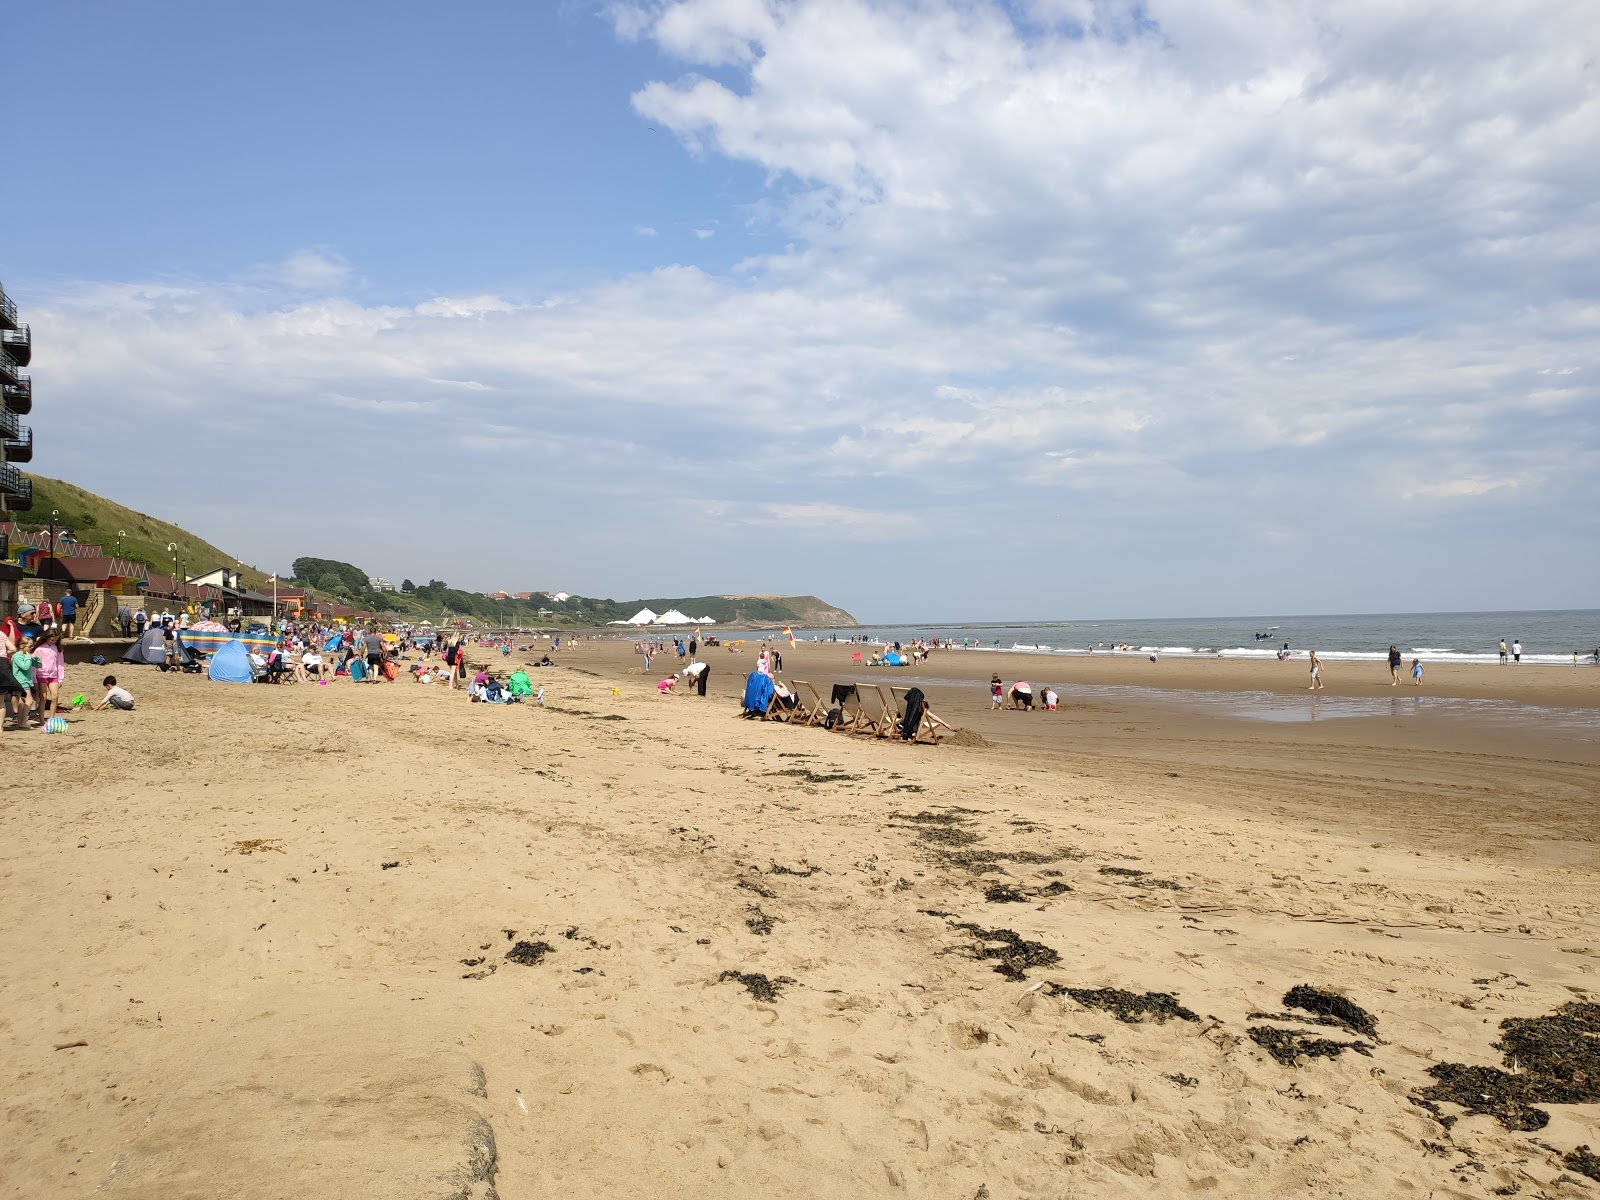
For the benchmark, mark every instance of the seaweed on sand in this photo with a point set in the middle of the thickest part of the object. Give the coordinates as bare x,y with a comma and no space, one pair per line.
1013,954
1338,1009
528,954
1128,1007
1004,893
1583,1161
1555,1059
758,922
758,985
1286,1045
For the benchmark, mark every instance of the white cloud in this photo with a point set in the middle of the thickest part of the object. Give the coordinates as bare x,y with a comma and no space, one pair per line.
314,269
1133,268
644,231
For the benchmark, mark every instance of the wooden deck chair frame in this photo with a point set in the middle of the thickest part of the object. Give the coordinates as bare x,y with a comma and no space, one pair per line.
925,726
811,710
883,724
775,709
853,721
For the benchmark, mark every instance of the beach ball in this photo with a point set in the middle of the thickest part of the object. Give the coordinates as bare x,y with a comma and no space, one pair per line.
56,725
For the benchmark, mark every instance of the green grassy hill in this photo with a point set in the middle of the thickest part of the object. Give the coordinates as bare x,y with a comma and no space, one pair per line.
144,539
93,519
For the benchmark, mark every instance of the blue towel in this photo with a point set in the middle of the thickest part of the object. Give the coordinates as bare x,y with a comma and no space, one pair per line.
757,692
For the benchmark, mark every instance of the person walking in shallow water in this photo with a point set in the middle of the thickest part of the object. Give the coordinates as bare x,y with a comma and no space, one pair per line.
1394,666
1316,673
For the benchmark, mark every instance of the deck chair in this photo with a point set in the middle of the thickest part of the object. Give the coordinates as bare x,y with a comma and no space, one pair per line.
780,712
811,710
927,727
884,720
855,711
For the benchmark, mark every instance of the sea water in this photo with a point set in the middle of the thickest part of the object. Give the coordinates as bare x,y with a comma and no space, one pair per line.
1548,638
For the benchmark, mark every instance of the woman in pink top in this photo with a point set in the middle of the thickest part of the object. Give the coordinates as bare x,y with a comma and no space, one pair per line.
52,672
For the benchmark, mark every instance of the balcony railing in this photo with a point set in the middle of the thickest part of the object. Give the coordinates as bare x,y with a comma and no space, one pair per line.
24,499
9,371
19,449
19,395
18,343
8,311
10,480
10,424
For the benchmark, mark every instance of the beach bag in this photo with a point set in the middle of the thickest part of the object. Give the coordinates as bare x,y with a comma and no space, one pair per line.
391,672
358,670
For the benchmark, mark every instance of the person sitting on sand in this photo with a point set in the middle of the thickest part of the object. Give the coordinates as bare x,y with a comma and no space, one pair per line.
1049,697
667,685
115,697
519,684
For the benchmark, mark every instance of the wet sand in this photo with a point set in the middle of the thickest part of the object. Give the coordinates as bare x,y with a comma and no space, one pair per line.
378,941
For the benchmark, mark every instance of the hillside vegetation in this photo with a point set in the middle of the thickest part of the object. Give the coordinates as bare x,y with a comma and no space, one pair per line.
144,538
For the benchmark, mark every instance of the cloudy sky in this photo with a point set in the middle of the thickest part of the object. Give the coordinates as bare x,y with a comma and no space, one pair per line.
940,309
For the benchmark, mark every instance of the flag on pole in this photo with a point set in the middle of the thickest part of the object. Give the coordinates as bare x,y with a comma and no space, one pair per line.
273,578
788,634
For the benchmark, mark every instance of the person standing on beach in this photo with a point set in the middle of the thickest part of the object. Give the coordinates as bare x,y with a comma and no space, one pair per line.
1316,673
1516,652
1416,672
1504,652
997,692
1394,666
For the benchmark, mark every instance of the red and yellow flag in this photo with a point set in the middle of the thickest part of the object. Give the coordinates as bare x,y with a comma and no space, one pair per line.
789,635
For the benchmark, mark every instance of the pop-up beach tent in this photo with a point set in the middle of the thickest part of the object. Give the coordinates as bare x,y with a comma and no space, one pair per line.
151,649
231,664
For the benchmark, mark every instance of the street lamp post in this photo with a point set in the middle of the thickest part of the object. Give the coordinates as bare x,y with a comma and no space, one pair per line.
121,533
55,516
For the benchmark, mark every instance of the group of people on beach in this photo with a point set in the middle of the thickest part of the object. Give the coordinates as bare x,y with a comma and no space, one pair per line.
1019,696
33,675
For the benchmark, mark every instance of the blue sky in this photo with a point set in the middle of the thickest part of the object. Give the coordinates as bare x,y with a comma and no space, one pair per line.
941,310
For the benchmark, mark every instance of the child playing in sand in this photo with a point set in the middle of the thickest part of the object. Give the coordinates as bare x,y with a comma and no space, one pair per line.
116,697
20,693
665,687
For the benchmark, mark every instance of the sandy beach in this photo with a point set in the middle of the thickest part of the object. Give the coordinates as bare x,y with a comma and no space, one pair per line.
379,942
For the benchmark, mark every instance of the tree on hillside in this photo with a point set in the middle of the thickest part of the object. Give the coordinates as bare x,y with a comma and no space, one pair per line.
407,586
330,575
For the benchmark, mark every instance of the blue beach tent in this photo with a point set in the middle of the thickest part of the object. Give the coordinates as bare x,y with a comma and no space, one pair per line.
336,642
231,664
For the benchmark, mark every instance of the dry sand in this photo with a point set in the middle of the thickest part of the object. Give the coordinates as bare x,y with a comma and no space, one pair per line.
198,891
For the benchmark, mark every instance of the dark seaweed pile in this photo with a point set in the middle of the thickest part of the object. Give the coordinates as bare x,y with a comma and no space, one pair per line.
1004,893
528,954
1014,954
1126,1006
807,775
1125,872
759,986
1338,1009
759,922
1557,1058
1583,1161
1286,1045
